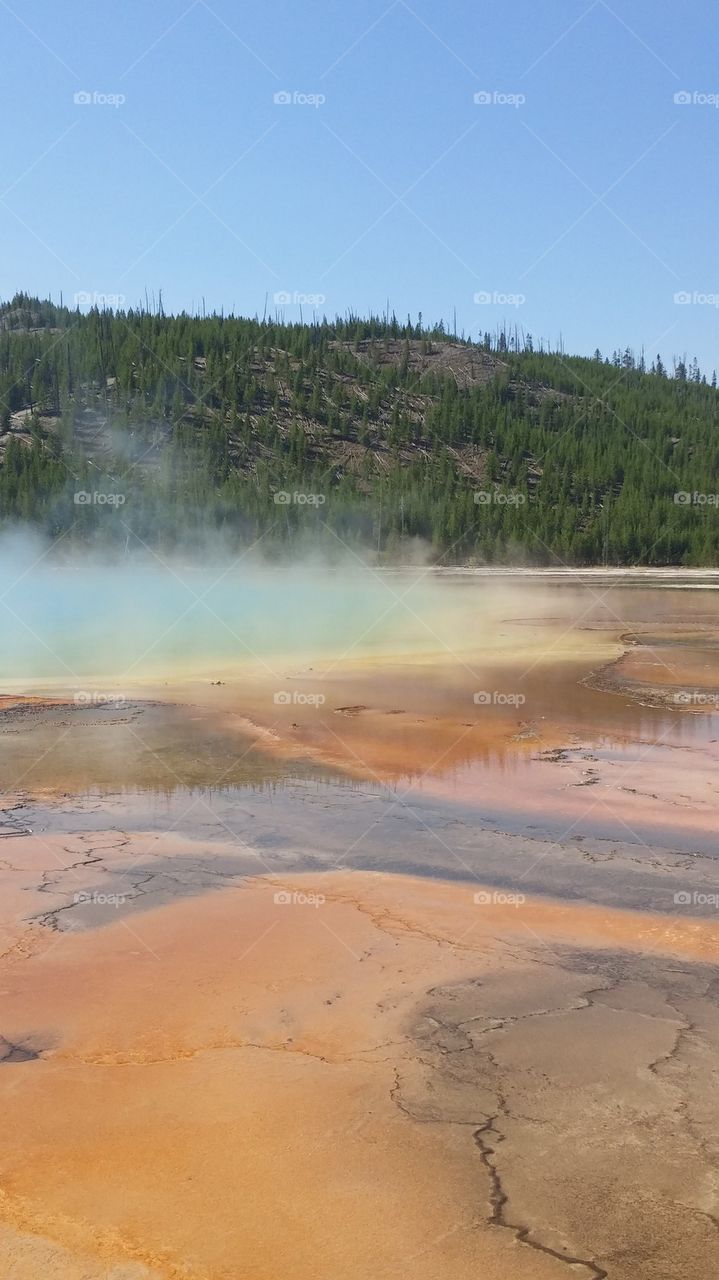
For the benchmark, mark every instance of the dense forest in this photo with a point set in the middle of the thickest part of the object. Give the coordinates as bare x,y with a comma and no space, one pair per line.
136,427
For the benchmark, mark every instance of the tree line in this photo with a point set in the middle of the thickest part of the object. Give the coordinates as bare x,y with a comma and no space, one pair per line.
363,431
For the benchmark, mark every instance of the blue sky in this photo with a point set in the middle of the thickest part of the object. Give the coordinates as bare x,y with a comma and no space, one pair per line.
581,198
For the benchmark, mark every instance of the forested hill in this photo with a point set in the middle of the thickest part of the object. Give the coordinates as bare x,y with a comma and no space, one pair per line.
135,426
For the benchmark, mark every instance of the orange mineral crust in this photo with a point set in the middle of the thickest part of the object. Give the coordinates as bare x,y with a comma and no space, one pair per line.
312,1077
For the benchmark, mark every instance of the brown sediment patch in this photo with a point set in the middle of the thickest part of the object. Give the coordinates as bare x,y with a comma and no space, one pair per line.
414,720
517,766
356,1074
458,710
401,715
14,707
673,669
54,747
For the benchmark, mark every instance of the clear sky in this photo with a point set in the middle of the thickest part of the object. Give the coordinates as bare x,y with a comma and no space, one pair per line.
581,198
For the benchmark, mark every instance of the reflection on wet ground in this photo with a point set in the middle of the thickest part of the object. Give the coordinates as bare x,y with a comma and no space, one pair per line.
231,1042
597,719
187,845
152,746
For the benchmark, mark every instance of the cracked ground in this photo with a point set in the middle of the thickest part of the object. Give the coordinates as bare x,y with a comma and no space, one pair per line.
530,1092
298,1024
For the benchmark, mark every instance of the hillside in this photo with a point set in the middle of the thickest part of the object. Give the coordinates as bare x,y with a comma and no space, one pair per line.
369,432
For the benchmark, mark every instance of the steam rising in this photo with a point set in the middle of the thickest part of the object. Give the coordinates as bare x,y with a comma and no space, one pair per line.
72,617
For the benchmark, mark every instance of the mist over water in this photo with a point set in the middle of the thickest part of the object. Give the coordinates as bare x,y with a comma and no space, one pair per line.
69,616
468,688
